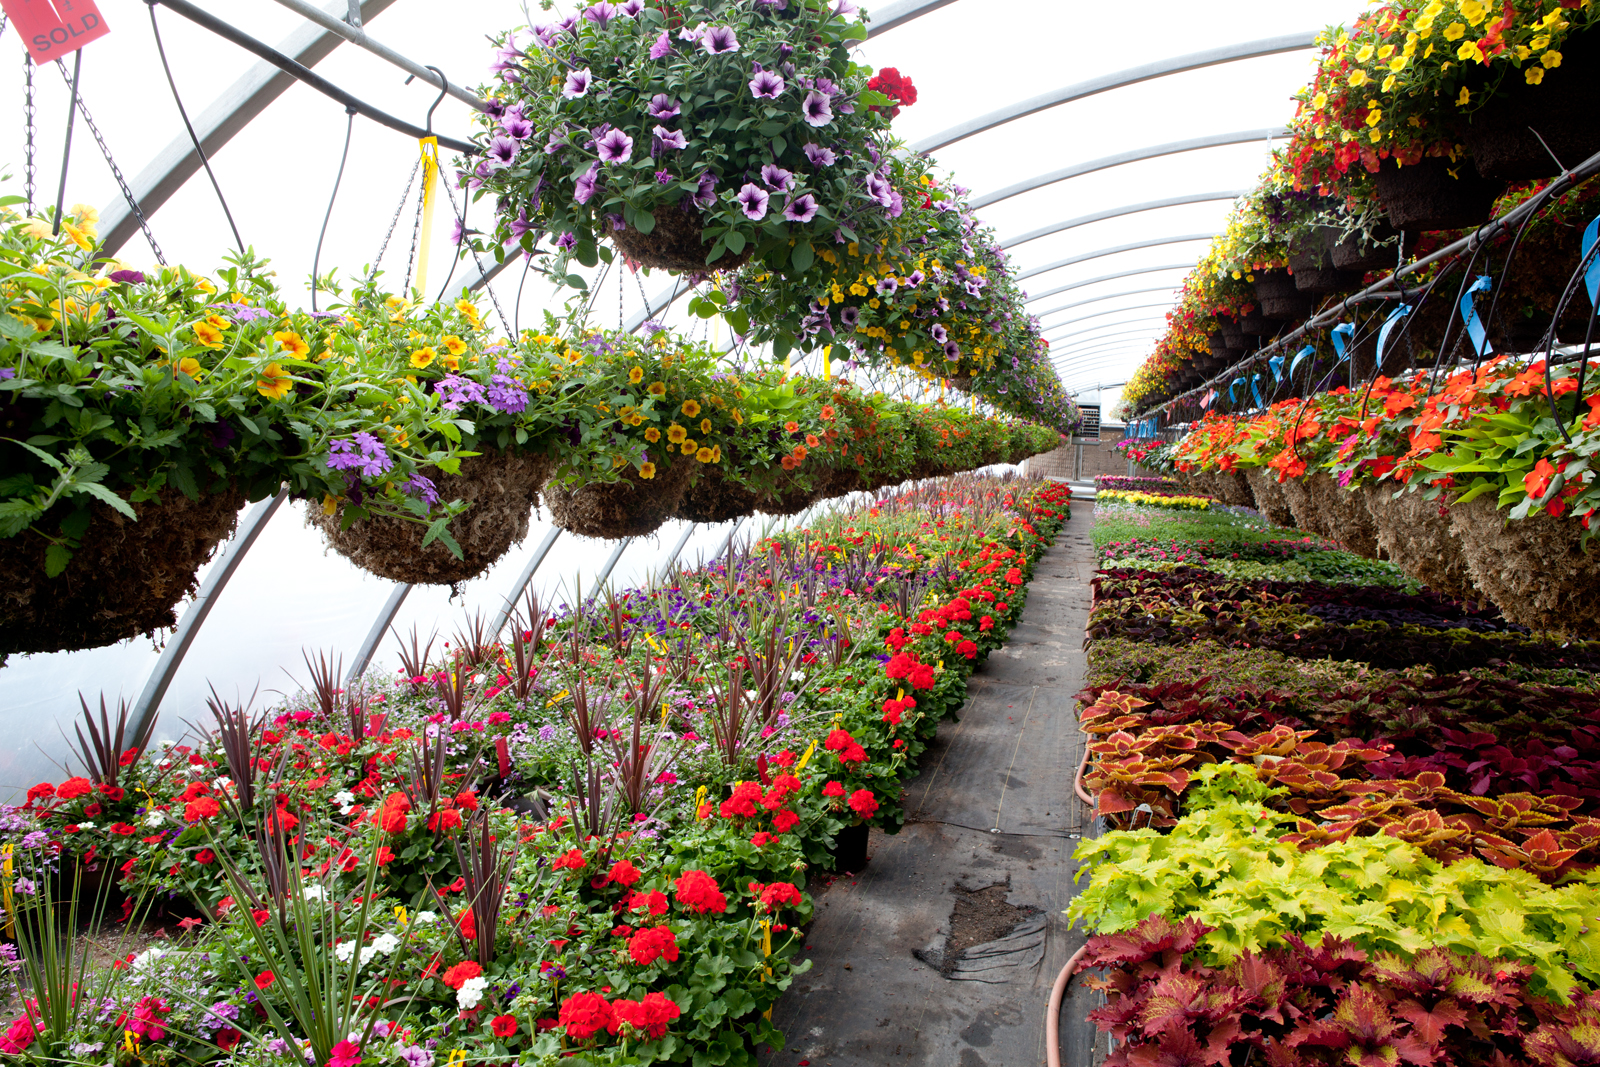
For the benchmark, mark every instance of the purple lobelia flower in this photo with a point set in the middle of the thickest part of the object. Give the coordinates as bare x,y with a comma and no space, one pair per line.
502,153
665,138
7,372
601,14
938,333
706,194
801,209
819,156
587,182
817,108
663,108
850,316
363,453
662,46
577,84
615,147
719,40
776,177
766,85
753,199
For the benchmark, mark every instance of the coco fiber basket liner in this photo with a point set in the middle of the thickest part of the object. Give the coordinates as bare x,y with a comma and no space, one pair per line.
675,244
1421,542
125,579
1307,515
1232,488
713,499
1534,569
629,507
1270,500
1343,514
502,488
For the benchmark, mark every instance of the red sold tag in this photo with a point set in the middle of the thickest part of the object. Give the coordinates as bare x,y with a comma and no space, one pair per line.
55,28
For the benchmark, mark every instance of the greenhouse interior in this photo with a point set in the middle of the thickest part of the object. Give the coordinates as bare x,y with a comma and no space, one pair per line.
707,532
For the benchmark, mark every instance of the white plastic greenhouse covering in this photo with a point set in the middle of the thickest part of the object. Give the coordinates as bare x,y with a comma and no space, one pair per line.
1169,108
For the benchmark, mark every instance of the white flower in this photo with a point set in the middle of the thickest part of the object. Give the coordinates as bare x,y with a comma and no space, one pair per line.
314,892
223,783
154,819
145,958
345,801
470,993
426,917
366,956
86,826
386,944
166,744
344,950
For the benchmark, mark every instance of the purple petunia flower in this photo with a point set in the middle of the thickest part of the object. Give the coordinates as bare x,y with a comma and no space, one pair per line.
363,453
520,225
600,14
662,107
817,108
616,220
502,153
416,1056
569,24
850,316
547,36
844,7
615,147
587,182
887,286
566,240
916,278
880,190
692,34
952,352
801,209
819,156
719,40
776,177
577,84
897,203
514,126
662,47
631,9
706,194
507,56
753,199
766,85
665,138
938,333
974,286
557,140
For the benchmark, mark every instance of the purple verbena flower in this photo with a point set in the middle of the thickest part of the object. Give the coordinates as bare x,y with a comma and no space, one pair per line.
820,156
422,488
753,199
363,453
458,392
506,393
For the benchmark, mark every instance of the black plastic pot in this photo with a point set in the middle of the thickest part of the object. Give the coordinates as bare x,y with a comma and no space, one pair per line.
849,850
1232,334
1561,108
1353,254
1279,297
1435,194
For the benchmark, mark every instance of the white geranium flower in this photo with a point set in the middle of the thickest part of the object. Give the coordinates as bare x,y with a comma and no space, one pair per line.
154,819
386,944
427,917
470,993
344,950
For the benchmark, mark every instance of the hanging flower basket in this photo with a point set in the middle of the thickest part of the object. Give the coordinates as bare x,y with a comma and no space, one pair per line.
1306,516
1560,107
1269,497
126,577
632,506
1425,195
502,489
1280,299
694,138
1535,569
1343,514
1420,541
713,499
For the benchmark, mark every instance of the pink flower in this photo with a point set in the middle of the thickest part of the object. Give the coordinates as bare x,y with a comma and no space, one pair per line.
344,1054
19,1037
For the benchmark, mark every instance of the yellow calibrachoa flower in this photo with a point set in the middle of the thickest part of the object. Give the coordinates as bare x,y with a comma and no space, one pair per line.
738,416
219,322
658,389
652,435
676,434
705,427
207,334
274,383
691,408
716,453
636,375
647,471
454,345
690,446
1455,31
292,343
703,455
470,310
190,366
422,357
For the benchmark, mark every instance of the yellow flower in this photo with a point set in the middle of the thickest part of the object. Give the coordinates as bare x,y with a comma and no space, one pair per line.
454,345
79,236
451,362
1358,77
207,334
326,353
274,383
658,389
738,416
1540,42
1386,51
422,357
204,286
676,434
1455,31
691,408
470,310
636,375
1398,63
190,366
398,437
1466,95
1319,101
292,343
1375,116
1551,59
86,215
1376,136
716,454
1388,83
705,426
1473,11
218,321
397,304
647,471
1469,50
1535,75
689,447
1364,54
703,455
652,435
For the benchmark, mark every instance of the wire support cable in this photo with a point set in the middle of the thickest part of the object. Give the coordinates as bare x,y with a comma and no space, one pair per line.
116,171
316,258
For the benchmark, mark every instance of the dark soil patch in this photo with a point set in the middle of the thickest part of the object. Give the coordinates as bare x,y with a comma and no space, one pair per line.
979,917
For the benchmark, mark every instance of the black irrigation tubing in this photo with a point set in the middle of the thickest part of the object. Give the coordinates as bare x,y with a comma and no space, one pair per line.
1472,242
1574,284
161,50
306,74
316,258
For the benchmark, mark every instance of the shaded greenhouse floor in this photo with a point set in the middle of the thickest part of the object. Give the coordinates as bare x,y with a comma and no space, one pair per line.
992,822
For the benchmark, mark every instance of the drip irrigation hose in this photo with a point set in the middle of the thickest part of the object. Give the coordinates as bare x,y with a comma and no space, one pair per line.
1052,1015
1077,781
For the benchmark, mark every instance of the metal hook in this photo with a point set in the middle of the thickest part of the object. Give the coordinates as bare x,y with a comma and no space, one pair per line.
444,90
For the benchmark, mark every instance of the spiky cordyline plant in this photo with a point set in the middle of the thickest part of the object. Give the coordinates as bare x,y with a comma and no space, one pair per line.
773,657
476,643
103,752
486,864
414,658
238,732
586,714
638,763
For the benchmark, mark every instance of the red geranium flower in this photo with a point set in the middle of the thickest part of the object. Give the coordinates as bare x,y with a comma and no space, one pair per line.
863,803
650,1016
205,857
784,821
623,873
650,944
73,788
202,808
457,976
698,892
584,1015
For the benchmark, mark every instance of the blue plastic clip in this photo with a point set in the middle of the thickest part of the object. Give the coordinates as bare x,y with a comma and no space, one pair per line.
1591,277
1469,314
1341,339
1389,323
1308,350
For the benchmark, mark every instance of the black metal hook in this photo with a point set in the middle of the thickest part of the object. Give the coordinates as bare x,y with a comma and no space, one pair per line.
444,89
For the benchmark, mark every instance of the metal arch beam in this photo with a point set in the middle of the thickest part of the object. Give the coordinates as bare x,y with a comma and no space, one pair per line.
1125,336
1161,68
890,16
1107,296
1102,314
1105,325
230,113
1099,358
1101,253
1119,212
1136,155
1110,278
1122,344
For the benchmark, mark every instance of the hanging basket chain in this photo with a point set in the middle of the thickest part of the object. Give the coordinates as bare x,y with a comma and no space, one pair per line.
461,220
316,258
416,237
116,171
30,169
395,222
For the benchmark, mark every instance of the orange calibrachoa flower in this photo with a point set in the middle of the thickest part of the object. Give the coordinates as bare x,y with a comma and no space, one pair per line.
274,383
292,343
